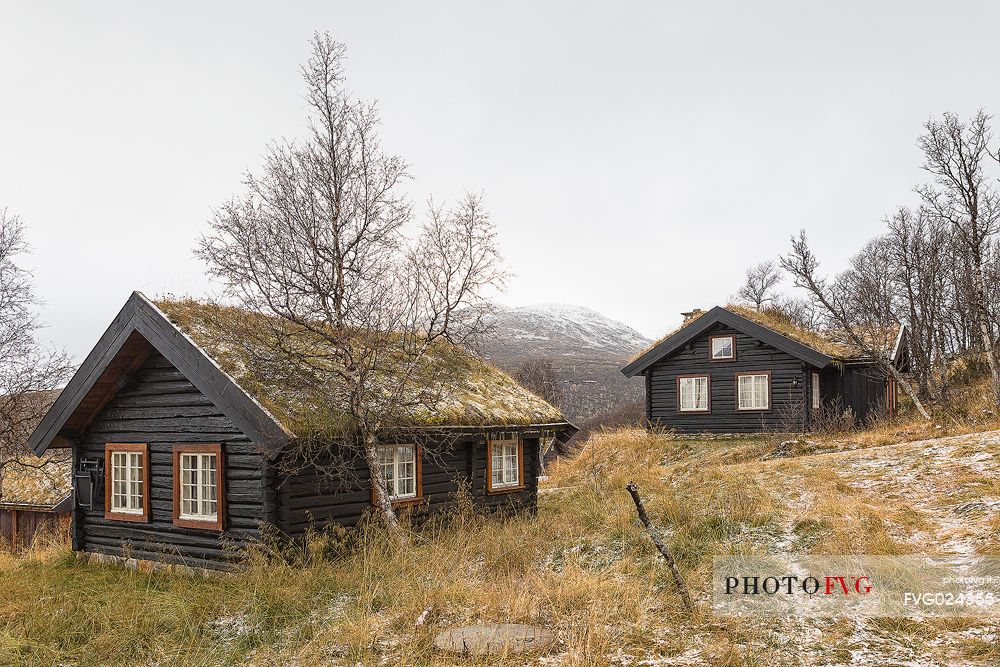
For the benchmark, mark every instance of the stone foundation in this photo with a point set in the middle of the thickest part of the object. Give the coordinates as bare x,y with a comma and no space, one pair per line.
140,565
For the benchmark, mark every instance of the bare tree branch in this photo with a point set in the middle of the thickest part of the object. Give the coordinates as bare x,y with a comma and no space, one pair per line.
318,241
29,373
759,288
871,336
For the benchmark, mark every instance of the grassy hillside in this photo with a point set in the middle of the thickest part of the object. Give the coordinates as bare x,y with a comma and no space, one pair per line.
582,566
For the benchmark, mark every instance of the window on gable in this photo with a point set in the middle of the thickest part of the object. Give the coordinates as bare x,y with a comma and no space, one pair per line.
723,347
198,486
692,393
401,470
126,495
506,452
753,391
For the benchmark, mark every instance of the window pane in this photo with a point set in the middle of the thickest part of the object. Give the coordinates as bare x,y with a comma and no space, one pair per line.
722,347
504,461
126,482
694,393
399,466
497,464
199,486
753,392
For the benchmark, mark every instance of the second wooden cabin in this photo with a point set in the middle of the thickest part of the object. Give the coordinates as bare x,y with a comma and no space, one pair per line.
736,370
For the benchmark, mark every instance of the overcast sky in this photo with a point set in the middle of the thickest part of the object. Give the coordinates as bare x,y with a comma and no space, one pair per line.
636,157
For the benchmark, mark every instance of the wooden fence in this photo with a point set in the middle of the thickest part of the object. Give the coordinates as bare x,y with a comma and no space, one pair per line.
19,526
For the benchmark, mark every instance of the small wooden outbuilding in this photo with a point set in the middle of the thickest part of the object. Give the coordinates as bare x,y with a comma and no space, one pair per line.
36,501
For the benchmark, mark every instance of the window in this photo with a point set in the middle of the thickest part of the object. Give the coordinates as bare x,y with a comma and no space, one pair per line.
505,460
815,391
401,468
753,391
126,494
692,393
722,347
198,486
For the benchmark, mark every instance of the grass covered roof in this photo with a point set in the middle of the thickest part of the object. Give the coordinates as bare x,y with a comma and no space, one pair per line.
777,321
827,342
44,481
451,387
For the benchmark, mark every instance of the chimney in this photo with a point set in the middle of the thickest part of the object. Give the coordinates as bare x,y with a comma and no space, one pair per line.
692,314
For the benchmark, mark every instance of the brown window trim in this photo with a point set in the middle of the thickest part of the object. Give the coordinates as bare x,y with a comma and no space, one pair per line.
718,359
220,477
770,391
142,448
489,469
708,387
416,500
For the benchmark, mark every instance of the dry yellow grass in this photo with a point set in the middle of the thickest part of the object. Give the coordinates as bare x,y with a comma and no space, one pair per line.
581,566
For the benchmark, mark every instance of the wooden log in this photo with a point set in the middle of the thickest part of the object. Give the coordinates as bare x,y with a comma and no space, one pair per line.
661,546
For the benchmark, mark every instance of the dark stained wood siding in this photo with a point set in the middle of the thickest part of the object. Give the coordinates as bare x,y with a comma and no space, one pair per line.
307,498
864,390
788,387
159,406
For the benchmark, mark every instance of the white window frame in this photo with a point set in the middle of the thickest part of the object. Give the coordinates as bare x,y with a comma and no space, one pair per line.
509,458
753,377
133,466
693,380
200,492
816,401
732,348
395,467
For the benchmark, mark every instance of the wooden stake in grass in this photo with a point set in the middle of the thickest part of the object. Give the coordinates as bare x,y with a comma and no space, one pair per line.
654,534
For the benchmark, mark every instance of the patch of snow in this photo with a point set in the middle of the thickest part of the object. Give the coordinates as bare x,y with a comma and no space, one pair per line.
228,629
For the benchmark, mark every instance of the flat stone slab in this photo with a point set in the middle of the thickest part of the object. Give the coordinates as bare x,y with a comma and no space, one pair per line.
494,639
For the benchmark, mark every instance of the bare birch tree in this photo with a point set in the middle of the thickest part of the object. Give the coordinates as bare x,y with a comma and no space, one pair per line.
540,377
918,246
869,333
760,284
956,154
29,373
318,241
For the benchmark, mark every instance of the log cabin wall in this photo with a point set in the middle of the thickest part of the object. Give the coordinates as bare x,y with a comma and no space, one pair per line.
162,408
863,391
307,497
789,383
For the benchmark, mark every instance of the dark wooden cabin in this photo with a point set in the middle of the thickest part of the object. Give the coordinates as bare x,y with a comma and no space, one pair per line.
180,444
734,370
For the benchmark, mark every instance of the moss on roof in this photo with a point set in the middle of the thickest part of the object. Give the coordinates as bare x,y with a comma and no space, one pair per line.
776,320
45,481
452,387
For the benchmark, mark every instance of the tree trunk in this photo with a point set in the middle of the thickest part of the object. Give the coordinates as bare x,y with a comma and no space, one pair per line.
908,388
986,333
382,501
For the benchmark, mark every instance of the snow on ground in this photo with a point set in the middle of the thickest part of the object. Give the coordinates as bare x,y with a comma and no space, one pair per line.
947,482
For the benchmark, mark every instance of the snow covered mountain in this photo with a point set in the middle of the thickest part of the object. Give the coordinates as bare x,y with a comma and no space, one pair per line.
556,330
586,348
